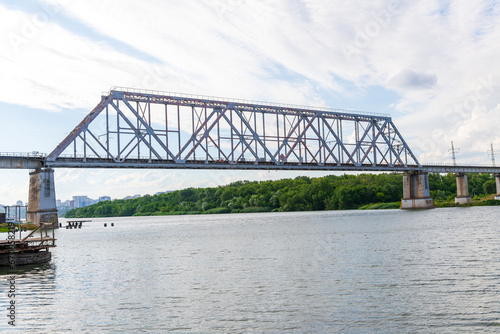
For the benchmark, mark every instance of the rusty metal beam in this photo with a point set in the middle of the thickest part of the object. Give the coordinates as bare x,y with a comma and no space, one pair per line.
20,162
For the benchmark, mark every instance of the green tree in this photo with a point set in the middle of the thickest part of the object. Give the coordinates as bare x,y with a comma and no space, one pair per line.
490,187
301,193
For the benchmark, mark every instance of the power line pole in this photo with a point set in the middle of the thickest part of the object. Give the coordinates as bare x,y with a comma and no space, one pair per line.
452,152
492,153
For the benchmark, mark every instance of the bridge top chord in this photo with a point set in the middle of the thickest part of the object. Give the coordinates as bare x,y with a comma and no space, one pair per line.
223,101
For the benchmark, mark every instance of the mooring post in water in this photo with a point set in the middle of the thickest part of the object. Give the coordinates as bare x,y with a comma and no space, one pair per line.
42,198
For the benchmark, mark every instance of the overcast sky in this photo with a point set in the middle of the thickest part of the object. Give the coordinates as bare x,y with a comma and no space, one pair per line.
431,65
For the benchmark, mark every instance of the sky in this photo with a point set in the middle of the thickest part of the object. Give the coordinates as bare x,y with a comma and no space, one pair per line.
432,65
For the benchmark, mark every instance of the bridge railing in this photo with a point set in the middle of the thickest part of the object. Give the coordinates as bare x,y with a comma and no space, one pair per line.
458,165
33,154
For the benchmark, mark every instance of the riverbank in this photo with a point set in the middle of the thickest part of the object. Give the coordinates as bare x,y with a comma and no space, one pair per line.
486,201
475,202
372,206
345,192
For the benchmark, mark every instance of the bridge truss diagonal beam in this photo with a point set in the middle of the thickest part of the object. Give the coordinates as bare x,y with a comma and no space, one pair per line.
140,128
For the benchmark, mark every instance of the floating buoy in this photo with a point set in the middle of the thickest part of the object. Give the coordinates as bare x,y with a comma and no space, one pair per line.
112,224
105,225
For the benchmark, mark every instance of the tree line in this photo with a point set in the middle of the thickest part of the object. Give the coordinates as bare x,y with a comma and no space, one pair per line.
299,194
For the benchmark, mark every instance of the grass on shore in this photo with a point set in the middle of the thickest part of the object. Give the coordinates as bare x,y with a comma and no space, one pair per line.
381,206
476,201
6,228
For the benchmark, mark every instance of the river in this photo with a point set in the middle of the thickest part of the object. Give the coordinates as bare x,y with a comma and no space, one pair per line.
387,271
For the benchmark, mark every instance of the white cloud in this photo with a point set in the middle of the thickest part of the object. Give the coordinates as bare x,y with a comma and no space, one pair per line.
58,70
408,79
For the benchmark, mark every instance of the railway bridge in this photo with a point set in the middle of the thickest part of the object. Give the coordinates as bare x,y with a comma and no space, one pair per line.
131,128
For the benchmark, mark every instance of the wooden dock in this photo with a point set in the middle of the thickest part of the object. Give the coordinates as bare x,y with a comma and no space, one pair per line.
32,242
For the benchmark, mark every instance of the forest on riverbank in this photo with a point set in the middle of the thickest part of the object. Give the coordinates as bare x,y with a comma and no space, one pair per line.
363,191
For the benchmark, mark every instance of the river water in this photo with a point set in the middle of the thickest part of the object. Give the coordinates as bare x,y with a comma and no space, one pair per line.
387,271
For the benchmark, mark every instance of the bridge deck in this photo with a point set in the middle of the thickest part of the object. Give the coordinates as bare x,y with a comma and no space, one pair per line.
30,162
20,162
200,164
460,169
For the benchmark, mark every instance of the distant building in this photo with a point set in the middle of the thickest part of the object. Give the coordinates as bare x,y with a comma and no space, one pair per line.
163,192
82,201
20,203
132,197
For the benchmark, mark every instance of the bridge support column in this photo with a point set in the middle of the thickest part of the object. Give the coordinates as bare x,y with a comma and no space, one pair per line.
42,198
463,197
416,192
497,177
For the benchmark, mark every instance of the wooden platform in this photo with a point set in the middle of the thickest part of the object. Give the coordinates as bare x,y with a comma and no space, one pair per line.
30,242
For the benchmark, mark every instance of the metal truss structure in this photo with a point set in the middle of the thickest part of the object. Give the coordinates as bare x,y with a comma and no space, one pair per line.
145,129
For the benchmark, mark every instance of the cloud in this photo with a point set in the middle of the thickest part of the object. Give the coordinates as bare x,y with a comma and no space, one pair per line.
408,79
55,68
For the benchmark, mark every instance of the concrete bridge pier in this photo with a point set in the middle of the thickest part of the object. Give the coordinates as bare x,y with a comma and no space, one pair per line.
463,197
416,192
42,197
497,178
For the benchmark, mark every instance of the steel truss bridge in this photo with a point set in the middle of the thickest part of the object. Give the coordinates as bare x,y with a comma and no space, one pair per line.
132,128
144,129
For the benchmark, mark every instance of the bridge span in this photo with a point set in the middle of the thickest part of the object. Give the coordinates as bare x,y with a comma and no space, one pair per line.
131,128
